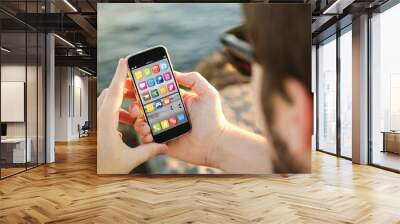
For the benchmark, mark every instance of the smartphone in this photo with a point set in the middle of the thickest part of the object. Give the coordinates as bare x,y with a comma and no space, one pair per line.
158,93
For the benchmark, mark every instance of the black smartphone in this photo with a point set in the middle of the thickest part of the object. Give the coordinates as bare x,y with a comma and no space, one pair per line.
158,93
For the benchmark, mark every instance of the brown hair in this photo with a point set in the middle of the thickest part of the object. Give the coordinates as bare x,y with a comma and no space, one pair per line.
281,38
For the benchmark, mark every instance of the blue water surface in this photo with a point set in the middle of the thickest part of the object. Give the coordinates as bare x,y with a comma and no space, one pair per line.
189,31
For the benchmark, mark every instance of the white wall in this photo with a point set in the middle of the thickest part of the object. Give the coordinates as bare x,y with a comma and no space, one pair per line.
16,73
33,127
80,100
61,104
12,73
70,94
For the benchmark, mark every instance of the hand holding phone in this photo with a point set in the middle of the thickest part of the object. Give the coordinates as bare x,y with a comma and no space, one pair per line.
158,93
201,145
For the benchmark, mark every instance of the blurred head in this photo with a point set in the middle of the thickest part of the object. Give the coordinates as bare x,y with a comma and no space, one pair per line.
280,35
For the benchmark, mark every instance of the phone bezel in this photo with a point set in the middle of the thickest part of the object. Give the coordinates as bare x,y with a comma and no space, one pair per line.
146,57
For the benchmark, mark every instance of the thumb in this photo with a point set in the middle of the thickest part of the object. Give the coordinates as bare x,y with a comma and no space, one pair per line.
194,81
188,100
147,151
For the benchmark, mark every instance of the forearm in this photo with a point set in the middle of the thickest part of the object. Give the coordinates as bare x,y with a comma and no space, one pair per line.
241,151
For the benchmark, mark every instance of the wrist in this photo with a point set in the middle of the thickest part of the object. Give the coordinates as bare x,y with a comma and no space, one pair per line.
218,153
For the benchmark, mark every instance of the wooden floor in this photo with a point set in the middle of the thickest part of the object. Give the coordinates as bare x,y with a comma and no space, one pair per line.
69,191
5,172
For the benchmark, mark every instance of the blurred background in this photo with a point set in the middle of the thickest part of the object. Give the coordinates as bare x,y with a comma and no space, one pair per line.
189,31
194,35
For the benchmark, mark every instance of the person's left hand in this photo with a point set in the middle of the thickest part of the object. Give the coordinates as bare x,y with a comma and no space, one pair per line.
113,155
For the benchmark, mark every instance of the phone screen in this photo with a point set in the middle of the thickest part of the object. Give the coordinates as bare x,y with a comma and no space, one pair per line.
159,95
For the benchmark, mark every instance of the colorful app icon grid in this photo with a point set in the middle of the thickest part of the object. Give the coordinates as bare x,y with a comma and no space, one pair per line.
171,121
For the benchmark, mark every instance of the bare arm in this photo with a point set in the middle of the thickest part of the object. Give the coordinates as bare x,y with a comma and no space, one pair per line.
241,151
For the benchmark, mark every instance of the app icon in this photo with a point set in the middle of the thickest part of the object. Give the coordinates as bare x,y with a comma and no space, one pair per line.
146,96
138,75
149,108
172,120
159,79
181,117
157,127
163,90
150,82
167,76
171,87
166,101
142,85
164,124
164,66
147,71
154,93
158,104
155,69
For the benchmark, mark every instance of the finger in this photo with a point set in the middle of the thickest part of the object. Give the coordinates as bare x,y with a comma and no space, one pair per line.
147,139
125,117
188,98
182,91
129,90
186,94
134,110
194,81
100,99
141,127
129,84
147,151
115,90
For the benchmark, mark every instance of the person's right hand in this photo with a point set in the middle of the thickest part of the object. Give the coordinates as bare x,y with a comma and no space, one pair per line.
203,104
